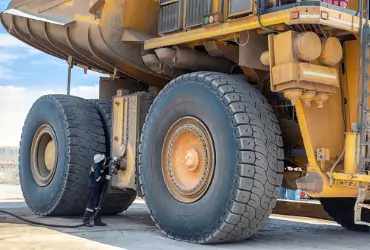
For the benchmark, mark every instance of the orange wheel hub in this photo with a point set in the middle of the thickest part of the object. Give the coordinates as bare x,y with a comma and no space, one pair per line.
188,159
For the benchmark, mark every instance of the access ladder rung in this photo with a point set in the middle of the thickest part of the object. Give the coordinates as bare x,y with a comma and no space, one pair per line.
359,205
363,205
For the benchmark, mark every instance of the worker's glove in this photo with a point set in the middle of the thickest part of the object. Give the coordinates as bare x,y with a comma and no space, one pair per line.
108,177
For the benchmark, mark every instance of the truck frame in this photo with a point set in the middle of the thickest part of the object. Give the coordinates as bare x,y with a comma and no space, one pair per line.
208,104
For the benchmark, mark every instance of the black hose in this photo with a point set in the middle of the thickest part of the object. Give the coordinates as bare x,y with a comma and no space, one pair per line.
261,10
63,226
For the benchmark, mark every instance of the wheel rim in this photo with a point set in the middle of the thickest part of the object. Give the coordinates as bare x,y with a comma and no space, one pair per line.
44,155
188,159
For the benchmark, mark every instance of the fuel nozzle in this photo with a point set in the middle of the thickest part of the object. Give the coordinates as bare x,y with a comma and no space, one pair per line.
117,164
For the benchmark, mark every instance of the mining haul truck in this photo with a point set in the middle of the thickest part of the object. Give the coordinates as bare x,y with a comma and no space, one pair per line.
207,104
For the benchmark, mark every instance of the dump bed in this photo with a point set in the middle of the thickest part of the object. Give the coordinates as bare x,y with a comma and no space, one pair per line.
103,43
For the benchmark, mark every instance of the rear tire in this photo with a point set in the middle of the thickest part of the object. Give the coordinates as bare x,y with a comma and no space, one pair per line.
79,135
248,158
116,200
341,210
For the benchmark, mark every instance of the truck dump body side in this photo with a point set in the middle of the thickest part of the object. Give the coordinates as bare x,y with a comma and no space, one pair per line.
63,28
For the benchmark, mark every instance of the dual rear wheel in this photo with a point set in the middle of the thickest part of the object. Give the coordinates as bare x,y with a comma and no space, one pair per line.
60,136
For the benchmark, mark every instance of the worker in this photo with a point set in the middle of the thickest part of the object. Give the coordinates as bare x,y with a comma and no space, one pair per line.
99,173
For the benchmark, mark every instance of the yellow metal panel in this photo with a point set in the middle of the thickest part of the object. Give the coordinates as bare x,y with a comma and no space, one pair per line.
351,79
118,117
335,190
305,131
216,4
127,127
285,73
352,178
237,25
349,157
319,74
305,72
322,128
283,44
336,19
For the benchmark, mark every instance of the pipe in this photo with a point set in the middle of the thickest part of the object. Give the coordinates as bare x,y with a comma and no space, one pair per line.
188,59
152,62
70,66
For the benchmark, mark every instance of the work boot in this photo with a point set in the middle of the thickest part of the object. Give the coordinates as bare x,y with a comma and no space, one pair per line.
99,223
87,217
97,220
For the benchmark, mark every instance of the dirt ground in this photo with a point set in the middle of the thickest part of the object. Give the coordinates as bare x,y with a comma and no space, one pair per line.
9,172
134,229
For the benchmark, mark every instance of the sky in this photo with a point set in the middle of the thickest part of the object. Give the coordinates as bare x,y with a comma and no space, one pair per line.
25,75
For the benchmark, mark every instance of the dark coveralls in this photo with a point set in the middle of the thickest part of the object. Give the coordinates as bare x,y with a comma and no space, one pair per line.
96,184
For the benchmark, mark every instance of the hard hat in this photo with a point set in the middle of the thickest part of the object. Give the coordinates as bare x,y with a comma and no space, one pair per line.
98,158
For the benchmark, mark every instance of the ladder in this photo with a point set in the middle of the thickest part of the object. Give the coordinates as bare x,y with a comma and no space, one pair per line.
363,111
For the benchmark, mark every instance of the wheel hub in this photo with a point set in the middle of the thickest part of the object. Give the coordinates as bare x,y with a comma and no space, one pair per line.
44,155
188,159
191,160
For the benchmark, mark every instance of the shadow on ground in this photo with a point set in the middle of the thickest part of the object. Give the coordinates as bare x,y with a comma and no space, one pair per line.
134,229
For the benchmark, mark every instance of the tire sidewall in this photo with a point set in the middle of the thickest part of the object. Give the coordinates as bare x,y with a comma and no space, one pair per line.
44,111
189,98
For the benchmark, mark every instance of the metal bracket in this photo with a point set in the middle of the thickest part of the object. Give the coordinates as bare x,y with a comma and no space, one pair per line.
355,127
114,74
322,154
359,206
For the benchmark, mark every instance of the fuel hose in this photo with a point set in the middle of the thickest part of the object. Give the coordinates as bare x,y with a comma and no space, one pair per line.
58,225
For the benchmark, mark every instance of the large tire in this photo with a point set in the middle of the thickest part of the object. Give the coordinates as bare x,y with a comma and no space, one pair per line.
248,159
341,210
105,111
116,200
79,135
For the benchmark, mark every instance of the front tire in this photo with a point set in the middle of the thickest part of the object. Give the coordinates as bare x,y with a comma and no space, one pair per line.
237,189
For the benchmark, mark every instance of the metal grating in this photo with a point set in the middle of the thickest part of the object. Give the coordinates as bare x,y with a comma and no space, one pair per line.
195,10
170,17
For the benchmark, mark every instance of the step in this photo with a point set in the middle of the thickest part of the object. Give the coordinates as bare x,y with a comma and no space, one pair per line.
362,195
363,205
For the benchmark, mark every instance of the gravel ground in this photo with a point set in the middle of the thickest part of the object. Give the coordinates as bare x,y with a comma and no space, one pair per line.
9,172
135,230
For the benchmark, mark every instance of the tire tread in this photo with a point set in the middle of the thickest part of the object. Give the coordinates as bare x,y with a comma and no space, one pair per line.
116,200
252,117
72,197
